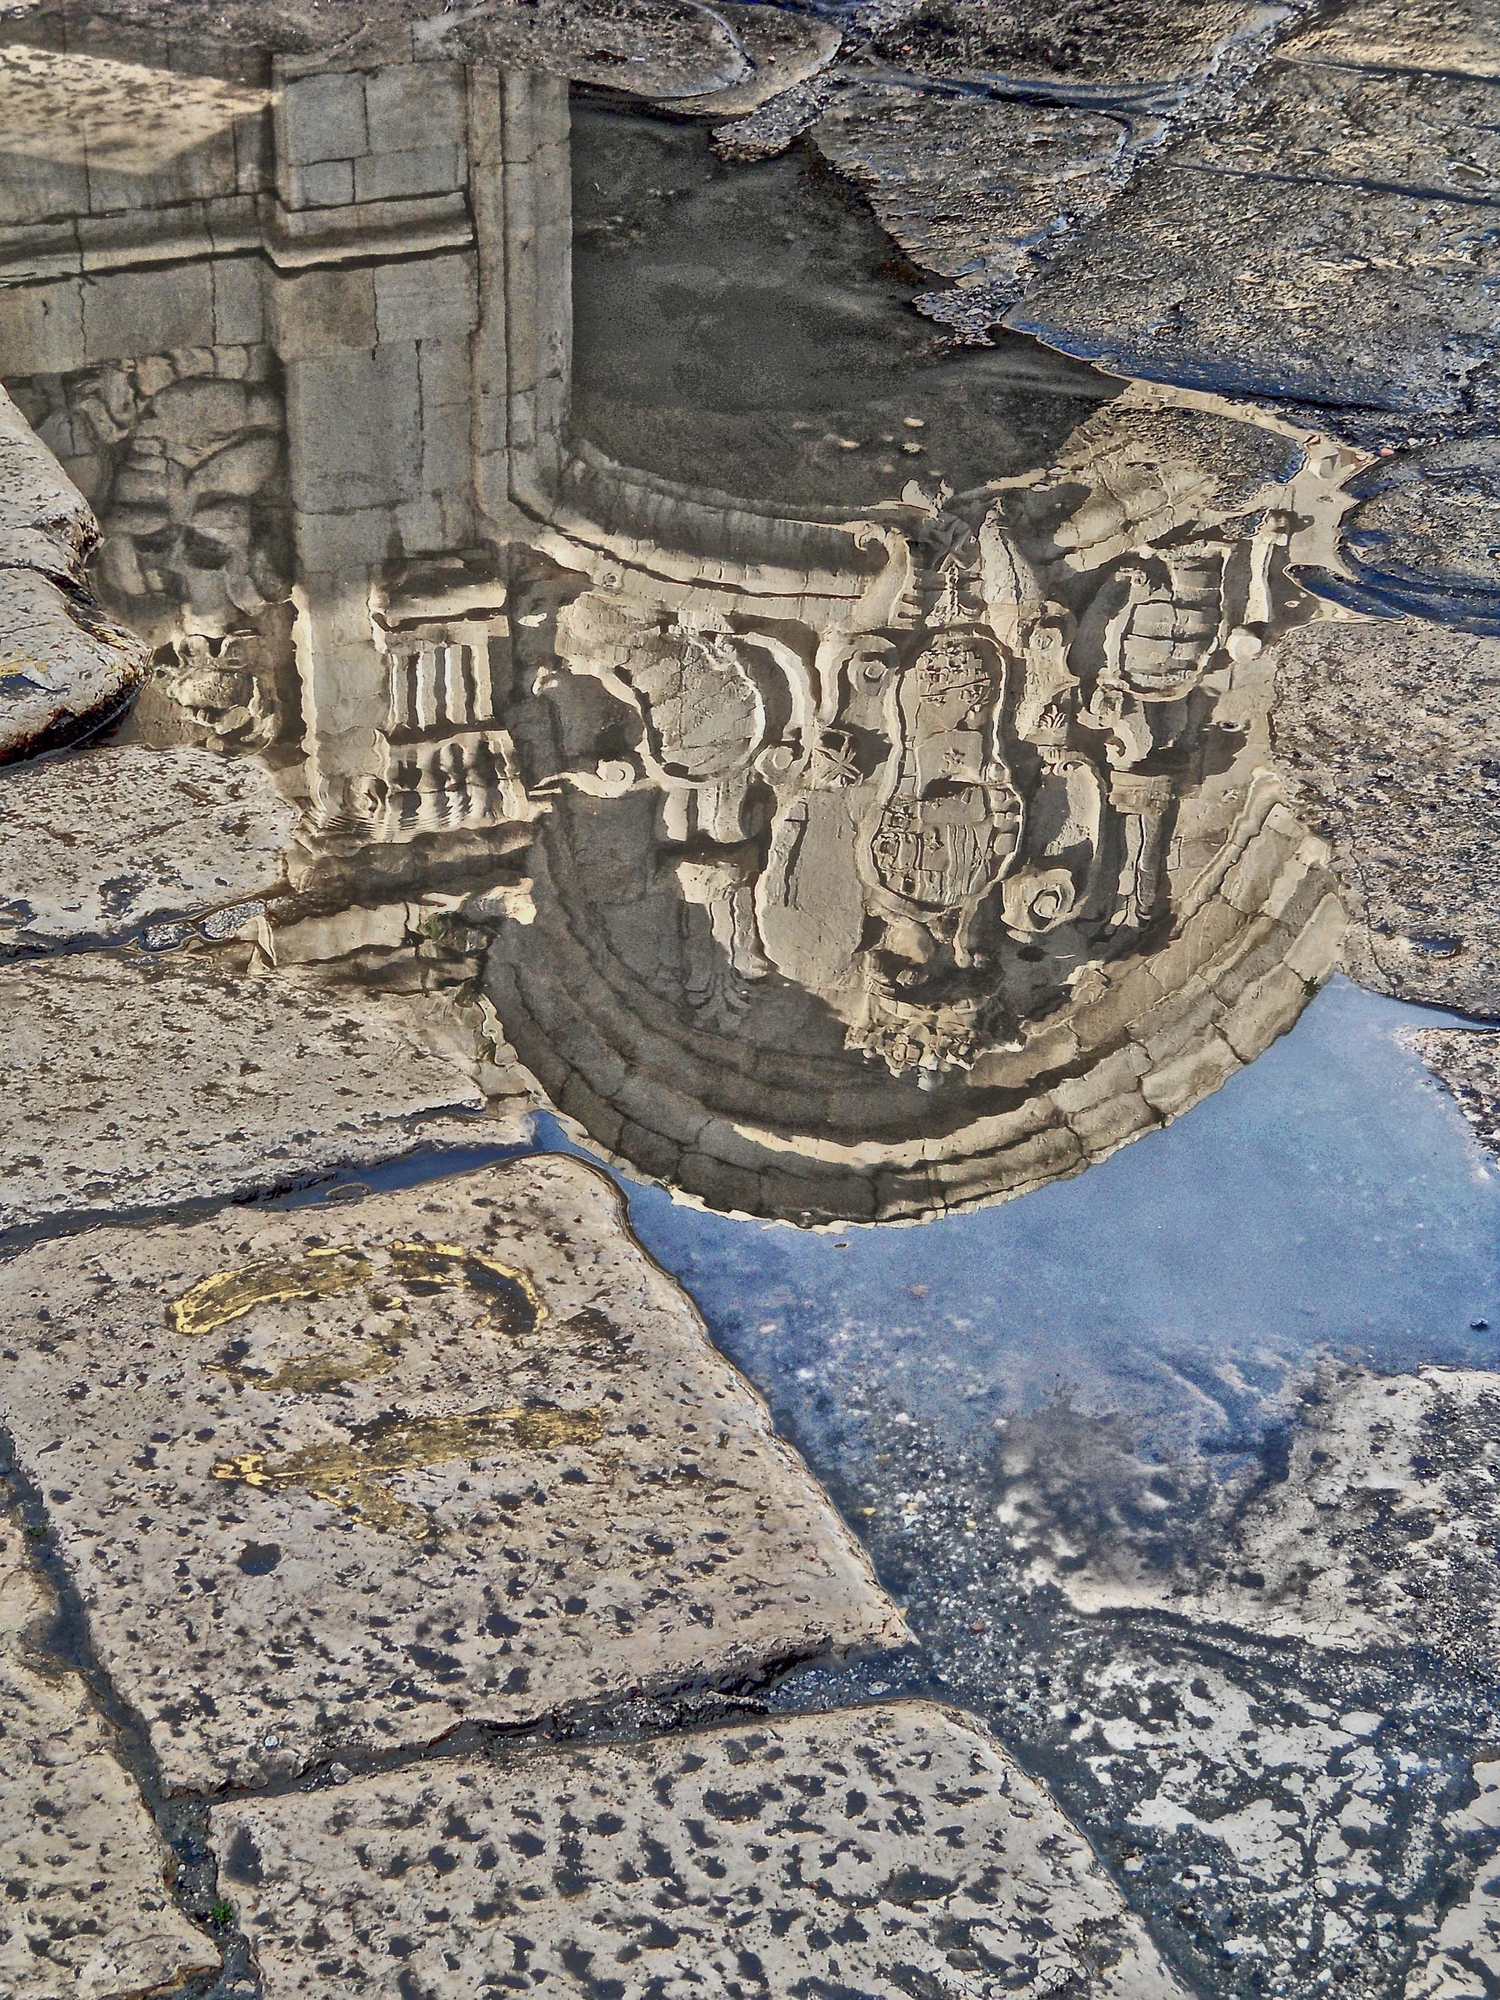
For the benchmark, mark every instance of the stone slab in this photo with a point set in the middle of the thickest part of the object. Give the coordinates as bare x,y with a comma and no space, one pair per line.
1390,735
1424,135
334,1482
882,1852
95,846
87,1914
152,1082
63,667
1469,1064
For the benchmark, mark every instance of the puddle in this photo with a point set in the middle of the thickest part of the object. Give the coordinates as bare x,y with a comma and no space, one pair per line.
835,764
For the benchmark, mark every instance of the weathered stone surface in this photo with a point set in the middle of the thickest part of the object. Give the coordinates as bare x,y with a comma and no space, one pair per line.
1458,35
881,1851
1387,1503
150,1082
1422,535
973,185
1391,735
1080,42
62,666
87,1913
721,60
1469,1063
1232,282
1419,134
495,1470
96,845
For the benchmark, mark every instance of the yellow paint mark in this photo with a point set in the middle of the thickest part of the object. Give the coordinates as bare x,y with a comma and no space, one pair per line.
427,1266
351,1475
229,1295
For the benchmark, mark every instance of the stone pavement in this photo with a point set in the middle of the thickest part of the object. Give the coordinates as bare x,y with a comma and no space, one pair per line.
154,1081
88,1911
880,1851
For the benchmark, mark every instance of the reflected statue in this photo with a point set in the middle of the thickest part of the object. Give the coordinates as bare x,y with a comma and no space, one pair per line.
850,778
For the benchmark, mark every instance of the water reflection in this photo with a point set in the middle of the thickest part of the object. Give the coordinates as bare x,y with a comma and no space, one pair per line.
848,757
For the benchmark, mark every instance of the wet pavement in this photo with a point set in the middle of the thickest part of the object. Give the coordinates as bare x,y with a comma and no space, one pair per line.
575,630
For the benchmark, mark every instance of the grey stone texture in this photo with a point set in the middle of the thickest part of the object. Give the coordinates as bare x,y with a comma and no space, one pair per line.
880,1852
88,1913
1386,1512
63,666
97,845
973,187
156,1081
1079,43
1468,1061
332,1482
1390,735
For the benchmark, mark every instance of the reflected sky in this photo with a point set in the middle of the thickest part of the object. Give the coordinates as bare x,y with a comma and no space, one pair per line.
1329,1198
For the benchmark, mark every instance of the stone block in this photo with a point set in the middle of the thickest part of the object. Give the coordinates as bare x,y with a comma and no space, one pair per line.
332,1482
1265,1009
41,329
1112,1122
96,845
420,170
322,117
1152,291
1251,878
323,311
88,1910
126,313
409,99
63,668
156,1081
1111,1075
1176,1022
878,1851
1176,1085
423,297
324,184
239,301
1315,951
1260,948
364,410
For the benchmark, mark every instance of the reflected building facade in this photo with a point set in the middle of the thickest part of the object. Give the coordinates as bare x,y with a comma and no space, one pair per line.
865,792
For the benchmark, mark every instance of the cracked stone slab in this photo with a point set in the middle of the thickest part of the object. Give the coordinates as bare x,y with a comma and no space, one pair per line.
1387,1503
152,1082
88,1914
335,1481
63,667
94,846
1468,1062
876,1851
1390,733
